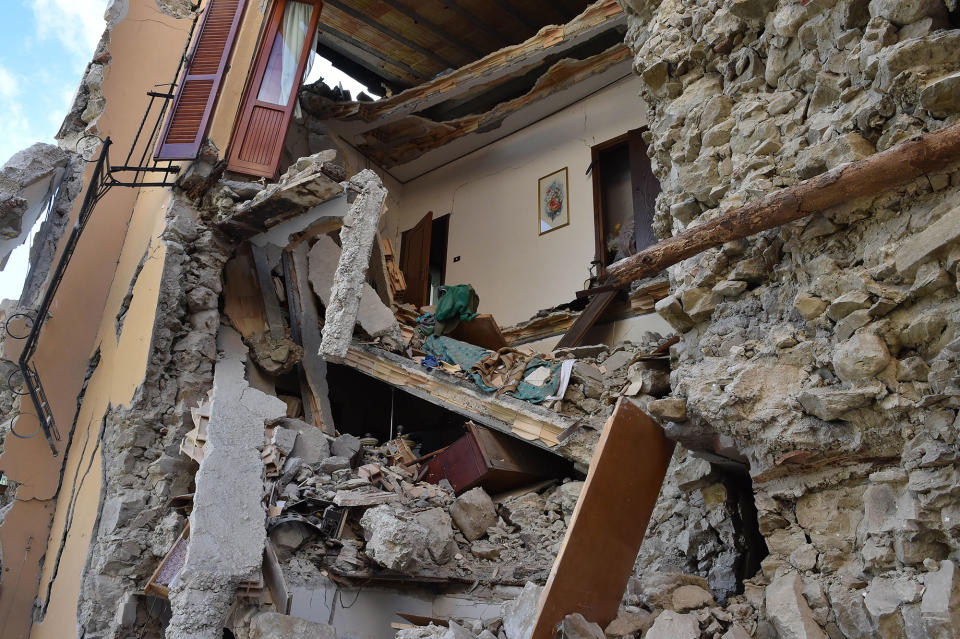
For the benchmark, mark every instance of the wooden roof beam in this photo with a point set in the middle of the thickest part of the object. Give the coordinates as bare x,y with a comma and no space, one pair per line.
364,19
491,32
343,39
436,30
482,74
516,15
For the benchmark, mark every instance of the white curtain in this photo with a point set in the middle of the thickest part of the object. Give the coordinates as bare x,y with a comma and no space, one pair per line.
278,82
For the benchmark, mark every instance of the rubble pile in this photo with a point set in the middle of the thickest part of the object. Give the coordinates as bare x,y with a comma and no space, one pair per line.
822,353
358,511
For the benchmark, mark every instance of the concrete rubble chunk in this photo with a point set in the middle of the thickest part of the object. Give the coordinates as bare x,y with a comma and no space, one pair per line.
311,444
273,625
440,542
393,542
473,512
227,533
374,318
345,446
27,180
308,182
520,614
343,302
575,626
788,611
673,625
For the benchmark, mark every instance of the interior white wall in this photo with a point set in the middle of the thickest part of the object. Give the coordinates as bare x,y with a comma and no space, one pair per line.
491,195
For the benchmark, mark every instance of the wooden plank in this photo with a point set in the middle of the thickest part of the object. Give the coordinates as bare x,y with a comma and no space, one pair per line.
917,156
482,331
379,274
242,299
273,577
587,319
271,304
609,522
316,402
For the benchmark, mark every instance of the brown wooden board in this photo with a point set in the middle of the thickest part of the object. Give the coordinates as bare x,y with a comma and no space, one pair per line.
242,300
480,331
587,319
609,522
415,260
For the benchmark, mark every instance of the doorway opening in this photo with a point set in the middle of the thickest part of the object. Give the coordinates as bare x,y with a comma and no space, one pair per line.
624,197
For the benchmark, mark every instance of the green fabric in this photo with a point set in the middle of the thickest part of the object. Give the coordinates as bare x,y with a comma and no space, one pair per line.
467,355
536,394
460,353
459,303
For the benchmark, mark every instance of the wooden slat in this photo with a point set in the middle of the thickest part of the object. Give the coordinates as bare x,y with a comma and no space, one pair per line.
200,85
587,319
609,522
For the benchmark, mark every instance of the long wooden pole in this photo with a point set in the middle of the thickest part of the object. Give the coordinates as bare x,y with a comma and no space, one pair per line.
894,167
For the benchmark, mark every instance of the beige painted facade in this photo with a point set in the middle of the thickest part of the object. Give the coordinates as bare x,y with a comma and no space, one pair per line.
125,225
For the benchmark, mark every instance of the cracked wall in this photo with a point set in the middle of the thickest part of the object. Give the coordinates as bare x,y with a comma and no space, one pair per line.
823,352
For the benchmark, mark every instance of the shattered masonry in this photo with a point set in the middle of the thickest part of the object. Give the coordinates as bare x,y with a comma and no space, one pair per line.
811,380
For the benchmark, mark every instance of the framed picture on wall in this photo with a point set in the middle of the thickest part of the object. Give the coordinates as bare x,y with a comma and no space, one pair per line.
553,194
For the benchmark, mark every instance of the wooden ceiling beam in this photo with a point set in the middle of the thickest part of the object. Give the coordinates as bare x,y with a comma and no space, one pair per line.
436,30
519,17
344,39
491,32
390,33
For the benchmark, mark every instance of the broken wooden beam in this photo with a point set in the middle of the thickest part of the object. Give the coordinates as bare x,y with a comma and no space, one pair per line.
920,155
600,548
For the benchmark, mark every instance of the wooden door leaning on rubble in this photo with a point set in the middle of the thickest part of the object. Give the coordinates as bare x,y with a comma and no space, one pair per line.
415,260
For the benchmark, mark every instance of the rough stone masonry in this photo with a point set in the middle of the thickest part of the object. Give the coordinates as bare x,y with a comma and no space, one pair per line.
823,353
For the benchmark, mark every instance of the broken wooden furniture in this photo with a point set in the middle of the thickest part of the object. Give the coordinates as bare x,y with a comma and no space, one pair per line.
596,559
494,461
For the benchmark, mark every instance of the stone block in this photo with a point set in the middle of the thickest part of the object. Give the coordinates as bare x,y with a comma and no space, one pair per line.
940,606
788,611
936,237
904,12
691,597
671,310
473,512
520,614
673,625
669,409
629,622
861,357
833,403
809,306
575,626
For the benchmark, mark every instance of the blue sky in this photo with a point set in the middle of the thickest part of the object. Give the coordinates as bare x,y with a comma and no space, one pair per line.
44,47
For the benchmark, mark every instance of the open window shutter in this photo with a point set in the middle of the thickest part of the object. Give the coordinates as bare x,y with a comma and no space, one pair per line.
261,128
193,104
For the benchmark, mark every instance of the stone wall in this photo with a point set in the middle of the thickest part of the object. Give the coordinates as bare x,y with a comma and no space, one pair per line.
822,353
143,467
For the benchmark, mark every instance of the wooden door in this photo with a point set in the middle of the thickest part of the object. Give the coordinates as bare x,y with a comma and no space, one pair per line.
415,260
265,114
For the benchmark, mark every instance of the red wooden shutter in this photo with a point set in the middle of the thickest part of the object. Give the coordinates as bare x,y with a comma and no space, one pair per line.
261,127
193,104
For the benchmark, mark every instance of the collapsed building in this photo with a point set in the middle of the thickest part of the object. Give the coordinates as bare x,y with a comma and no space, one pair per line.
292,362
